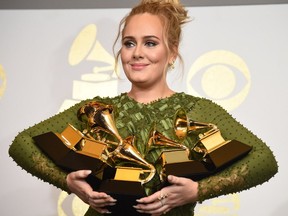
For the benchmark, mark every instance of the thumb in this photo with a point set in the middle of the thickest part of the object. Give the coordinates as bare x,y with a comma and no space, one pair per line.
173,179
81,174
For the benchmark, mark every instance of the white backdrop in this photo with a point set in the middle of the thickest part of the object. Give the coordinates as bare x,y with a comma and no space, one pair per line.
49,59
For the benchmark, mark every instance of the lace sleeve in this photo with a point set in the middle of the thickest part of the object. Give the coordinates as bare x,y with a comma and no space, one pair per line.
28,156
254,169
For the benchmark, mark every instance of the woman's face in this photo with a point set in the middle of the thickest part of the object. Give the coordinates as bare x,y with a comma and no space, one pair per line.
143,54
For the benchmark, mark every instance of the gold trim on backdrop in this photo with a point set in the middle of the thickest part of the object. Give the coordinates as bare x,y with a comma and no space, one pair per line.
101,80
77,206
3,81
227,205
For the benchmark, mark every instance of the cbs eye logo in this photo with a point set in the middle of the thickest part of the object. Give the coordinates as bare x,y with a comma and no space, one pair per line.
221,76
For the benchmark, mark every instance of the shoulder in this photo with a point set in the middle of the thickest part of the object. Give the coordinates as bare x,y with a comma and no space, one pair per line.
106,100
193,102
201,108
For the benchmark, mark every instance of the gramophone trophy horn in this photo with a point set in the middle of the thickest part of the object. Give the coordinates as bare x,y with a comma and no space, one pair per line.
158,140
99,117
183,125
128,153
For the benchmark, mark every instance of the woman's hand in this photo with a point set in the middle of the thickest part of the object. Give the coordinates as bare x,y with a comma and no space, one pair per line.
180,192
98,200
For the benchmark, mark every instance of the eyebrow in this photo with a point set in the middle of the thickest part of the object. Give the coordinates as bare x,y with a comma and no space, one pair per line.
145,37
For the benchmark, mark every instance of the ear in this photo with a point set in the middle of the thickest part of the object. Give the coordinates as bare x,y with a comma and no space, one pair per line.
173,54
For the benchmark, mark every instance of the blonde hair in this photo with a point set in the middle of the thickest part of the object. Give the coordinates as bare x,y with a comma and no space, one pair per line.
172,14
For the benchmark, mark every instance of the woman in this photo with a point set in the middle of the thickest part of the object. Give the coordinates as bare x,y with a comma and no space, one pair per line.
150,38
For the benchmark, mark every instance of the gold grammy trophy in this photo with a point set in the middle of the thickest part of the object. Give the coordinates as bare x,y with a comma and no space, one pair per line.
117,167
174,159
210,154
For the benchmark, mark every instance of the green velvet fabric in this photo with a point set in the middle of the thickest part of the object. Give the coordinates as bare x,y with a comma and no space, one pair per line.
133,118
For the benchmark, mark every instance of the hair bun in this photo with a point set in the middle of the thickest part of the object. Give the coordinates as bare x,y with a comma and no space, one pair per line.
160,1
174,6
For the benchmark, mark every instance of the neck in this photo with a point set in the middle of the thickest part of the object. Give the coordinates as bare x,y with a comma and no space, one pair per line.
149,95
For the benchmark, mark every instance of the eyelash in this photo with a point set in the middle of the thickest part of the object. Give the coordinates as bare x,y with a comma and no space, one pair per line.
129,44
152,43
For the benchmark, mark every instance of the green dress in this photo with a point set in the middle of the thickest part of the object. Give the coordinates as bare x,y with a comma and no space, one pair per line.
133,118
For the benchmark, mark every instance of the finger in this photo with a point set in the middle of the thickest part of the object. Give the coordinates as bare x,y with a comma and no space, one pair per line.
175,180
150,199
156,208
81,174
99,195
101,210
162,213
99,203
103,199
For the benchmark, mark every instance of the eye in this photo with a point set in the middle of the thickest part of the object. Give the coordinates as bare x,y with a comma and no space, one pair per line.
151,43
128,44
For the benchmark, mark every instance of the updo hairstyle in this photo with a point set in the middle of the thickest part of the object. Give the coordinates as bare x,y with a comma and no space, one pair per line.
171,13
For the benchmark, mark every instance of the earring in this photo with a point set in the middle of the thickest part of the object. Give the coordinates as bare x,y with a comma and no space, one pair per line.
171,65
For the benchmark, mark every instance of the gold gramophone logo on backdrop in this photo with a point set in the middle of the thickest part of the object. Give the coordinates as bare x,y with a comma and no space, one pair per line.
223,76
102,80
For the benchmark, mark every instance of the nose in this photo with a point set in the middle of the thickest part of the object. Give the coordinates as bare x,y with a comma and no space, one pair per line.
137,52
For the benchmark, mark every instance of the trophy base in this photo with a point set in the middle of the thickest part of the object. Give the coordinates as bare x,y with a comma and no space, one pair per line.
65,157
125,192
192,169
228,153
176,162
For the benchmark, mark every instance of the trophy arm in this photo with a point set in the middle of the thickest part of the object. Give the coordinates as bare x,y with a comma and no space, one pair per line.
183,125
195,125
129,153
158,140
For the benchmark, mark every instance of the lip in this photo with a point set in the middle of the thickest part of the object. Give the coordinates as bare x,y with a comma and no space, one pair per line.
138,66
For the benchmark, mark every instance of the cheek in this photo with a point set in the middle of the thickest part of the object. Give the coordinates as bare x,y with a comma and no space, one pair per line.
158,57
121,57
125,56
154,57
